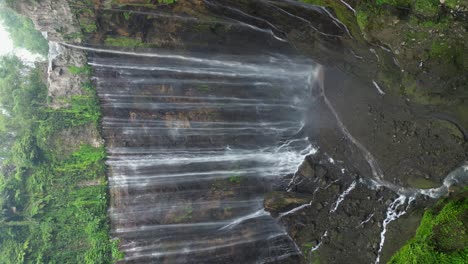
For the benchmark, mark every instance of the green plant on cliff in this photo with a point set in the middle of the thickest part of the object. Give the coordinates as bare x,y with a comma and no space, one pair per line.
362,19
454,3
235,179
86,17
442,235
53,209
80,70
393,2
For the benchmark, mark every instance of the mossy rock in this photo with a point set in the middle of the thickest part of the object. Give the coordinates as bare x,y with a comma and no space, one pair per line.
422,183
463,4
279,201
448,127
442,235
428,8
343,13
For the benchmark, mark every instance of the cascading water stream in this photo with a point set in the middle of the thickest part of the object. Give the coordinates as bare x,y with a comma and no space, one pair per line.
194,142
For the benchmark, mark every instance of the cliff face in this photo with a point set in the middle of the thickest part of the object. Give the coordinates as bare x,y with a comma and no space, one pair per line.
61,83
52,16
58,23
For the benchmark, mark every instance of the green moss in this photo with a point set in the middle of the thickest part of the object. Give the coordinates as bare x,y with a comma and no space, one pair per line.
450,52
235,179
73,36
369,16
420,94
428,24
311,257
454,3
127,15
441,50
116,253
362,19
126,42
426,7
344,14
186,215
87,70
86,17
281,200
89,27
441,237
396,3
416,35
421,183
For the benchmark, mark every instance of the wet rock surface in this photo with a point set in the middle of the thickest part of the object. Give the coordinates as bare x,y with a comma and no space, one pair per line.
61,83
343,219
412,147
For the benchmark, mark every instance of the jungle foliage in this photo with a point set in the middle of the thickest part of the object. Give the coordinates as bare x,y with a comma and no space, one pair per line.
53,209
22,32
442,235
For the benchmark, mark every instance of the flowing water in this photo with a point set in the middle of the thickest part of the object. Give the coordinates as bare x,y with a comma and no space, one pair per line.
194,142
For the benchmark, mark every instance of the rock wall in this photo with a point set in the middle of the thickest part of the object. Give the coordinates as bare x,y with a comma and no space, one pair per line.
52,16
56,20
61,83
59,25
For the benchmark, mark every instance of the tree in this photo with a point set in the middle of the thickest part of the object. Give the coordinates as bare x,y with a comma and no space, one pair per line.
11,69
22,32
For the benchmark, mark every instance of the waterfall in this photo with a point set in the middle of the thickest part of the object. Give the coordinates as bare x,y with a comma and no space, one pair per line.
194,141
200,128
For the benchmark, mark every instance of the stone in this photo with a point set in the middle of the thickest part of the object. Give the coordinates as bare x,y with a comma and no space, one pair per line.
320,171
52,16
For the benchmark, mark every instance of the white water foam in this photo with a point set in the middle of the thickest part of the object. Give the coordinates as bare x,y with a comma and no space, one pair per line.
343,196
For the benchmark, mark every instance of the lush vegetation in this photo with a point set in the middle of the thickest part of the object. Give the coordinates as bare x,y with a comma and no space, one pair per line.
85,13
22,32
53,208
442,236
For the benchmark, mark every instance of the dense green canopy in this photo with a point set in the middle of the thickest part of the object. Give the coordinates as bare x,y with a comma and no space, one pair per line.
22,32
